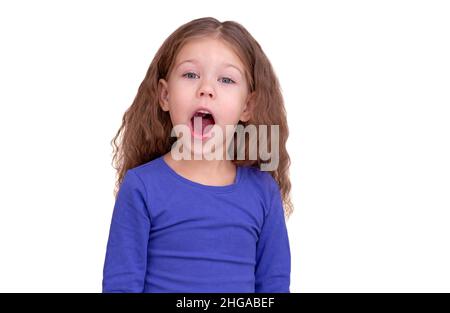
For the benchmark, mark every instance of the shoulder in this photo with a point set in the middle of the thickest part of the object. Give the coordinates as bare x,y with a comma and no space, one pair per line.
262,179
143,177
264,184
152,165
143,183
149,171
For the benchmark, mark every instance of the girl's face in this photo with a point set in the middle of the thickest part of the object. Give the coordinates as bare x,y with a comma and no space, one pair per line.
207,75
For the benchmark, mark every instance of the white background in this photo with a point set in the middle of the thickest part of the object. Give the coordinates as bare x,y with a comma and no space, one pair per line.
367,91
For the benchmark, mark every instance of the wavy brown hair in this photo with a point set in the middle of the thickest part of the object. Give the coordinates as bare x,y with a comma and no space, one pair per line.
145,133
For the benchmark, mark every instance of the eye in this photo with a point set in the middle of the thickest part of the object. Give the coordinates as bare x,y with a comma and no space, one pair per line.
190,75
227,80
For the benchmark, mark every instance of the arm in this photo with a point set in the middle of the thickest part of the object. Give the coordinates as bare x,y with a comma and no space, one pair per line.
126,253
273,257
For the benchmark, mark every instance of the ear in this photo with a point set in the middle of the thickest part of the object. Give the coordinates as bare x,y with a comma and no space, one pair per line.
248,107
163,94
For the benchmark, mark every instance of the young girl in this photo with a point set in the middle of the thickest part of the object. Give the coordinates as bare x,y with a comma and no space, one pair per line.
190,224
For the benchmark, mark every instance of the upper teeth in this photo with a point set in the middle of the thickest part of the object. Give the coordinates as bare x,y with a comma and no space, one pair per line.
203,111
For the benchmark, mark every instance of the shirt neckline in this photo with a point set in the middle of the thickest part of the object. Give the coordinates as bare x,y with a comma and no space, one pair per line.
219,189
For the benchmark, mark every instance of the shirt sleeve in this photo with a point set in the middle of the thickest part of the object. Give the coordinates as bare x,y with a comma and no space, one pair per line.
273,256
126,253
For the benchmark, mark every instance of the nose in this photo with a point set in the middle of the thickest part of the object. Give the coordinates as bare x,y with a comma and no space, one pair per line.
206,90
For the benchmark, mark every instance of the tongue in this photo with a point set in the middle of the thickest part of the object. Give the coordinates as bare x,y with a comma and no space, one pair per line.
203,122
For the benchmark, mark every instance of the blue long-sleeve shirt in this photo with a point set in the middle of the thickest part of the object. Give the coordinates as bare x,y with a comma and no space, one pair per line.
170,234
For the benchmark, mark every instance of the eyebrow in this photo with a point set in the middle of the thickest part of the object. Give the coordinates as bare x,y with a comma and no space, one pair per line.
196,62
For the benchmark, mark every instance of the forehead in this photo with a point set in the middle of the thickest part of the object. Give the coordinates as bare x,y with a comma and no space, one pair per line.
208,50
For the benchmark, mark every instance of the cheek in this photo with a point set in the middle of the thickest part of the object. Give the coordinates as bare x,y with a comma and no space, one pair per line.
233,105
182,87
178,109
179,97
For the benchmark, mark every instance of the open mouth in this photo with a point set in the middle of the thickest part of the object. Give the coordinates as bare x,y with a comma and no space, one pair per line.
201,124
